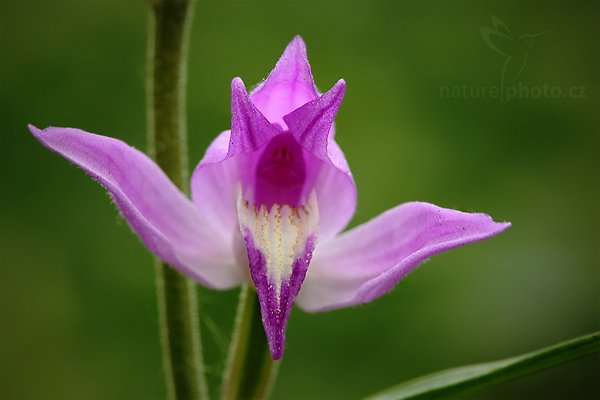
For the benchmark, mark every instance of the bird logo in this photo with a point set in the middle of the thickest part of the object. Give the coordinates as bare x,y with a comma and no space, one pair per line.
514,49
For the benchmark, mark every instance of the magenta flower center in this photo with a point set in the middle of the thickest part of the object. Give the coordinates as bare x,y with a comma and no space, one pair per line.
280,173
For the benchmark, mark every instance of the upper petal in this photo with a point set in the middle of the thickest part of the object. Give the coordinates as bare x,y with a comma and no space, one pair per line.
369,260
312,126
233,156
223,165
288,86
165,220
311,123
226,162
250,129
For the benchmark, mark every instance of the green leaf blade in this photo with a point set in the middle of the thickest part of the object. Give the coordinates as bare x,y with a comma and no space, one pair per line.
464,379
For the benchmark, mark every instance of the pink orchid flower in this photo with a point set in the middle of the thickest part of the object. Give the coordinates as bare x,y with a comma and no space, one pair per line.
269,202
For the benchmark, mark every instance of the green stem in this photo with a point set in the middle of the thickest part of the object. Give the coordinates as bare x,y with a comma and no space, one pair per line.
250,371
178,315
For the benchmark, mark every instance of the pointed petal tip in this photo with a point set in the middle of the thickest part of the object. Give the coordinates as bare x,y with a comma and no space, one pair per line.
277,355
297,43
339,89
294,58
494,226
237,85
37,132
502,226
491,228
294,54
276,345
41,135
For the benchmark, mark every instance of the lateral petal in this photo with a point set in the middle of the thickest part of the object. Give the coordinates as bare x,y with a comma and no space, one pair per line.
369,260
250,129
164,218
312,126
311,123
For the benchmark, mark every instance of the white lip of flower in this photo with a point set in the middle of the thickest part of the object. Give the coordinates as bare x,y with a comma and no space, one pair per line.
280,234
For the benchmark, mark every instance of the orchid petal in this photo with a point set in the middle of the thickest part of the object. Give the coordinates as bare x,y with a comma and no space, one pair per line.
250,130
279,243
369,260
336,190
310,124
166,221
215,178
288,86
212,187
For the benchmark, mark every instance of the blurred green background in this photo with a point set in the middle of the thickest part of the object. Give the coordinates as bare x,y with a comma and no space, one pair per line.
77,305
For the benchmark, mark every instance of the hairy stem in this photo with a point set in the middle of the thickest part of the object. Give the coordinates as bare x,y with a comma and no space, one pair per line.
178,315
250,371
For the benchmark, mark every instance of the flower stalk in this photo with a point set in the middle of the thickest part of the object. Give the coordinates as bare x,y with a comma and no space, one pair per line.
166,111
250,371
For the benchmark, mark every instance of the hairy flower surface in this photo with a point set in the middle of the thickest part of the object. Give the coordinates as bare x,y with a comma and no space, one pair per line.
269,200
